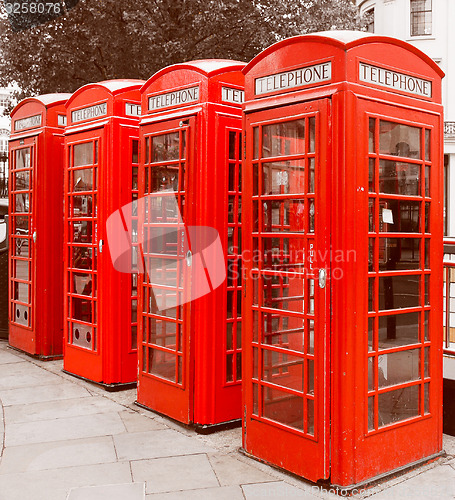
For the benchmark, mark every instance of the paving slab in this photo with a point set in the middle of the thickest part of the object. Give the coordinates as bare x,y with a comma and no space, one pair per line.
231,471
52,484
42,431
59,409
55,455
7,357
275,491
25,395
175,473
138,422
25,374
157,444
134,491
222,493
436,483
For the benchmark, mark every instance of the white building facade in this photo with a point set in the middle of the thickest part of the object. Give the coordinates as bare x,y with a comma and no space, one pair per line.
429,26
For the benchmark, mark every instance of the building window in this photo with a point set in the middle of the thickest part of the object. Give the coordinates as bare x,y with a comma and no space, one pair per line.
3,100
420,17
369,20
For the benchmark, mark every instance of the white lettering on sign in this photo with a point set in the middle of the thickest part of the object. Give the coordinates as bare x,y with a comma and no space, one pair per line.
394,80
79,115
174,98
132,109
29,122
61,120
234,96
295,78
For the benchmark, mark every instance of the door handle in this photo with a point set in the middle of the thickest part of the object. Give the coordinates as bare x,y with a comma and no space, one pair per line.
100,245
189,258
34,236
322,278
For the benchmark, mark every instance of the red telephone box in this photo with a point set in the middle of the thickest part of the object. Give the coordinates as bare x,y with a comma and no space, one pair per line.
36,227
101,142
190,314
343,203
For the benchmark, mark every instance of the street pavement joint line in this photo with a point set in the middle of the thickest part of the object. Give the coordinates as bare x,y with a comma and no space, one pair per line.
168,456
213,469
115,448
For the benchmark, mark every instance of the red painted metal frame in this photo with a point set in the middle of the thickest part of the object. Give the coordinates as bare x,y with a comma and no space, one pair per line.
101,345
207,390
354,454
43,336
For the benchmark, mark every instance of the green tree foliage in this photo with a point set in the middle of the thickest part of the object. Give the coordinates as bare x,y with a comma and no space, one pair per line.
104,39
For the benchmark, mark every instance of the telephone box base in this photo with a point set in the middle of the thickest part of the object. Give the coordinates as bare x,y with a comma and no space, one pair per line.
347,491
198,428
107,387
41,357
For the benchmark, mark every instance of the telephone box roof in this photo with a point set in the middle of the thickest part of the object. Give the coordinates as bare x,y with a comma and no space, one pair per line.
344,39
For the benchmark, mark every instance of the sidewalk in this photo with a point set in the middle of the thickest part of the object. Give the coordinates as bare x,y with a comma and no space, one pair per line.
64,439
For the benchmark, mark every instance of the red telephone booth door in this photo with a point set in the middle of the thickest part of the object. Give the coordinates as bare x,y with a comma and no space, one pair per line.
287,320
165,384
22,268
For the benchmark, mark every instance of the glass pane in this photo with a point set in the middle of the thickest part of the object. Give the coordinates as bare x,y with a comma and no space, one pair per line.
397,216
163,333
371,127
282,407
232,148
371,374
21,202
399,253
282,331
310,416
23,158
22,270
370,333
164,179
398,367
82,309
82,257
283,216
83,179
162,364
312,124
427,145
371,216
21,292
397,292
398,329
394,406
371,178
21,247
166,147
283,139
426,398
371,243
283,369
21,224
283,178
22,180
82,231
82,206
371,414
135,151
399,140
82,284
83,154
282,292
283,254
256,142
371,295
399,178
